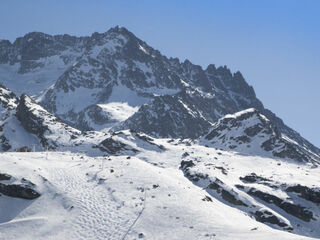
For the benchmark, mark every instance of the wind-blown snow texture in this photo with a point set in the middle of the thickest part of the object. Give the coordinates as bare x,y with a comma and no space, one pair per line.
144,193
132,144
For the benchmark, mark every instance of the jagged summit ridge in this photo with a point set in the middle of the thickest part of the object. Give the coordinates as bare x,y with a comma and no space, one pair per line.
77,78
250,132
49,129
8,100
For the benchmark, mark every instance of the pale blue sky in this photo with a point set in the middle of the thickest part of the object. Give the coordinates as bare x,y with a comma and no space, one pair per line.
274,43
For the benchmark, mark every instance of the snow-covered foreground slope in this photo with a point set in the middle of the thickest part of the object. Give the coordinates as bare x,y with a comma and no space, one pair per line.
146,194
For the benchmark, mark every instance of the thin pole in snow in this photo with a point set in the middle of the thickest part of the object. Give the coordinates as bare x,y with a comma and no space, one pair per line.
139,214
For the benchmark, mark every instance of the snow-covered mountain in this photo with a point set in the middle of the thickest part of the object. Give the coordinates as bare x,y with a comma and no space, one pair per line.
84,80
127,143
252,133
25,124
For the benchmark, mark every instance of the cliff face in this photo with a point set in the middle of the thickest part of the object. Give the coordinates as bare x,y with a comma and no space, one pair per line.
80,79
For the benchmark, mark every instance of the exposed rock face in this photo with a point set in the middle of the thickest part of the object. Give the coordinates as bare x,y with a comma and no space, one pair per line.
24,149
117,66
177,116
218,189
112,59
33,46
8,100
4,176
18,191
253,178
293,209
117,143
33,123
114,147
250,132
226,195
310,194
266,216
8,103
182,99
24,190
48,128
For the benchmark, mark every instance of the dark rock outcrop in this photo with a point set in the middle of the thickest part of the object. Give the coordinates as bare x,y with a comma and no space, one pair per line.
4,176
253,178
31,122
310,194
23,149
8,100
292,209
18,191
227,195
176,116
115,147
50,130
266,216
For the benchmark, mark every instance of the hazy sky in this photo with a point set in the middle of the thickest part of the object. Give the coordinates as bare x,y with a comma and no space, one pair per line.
274,43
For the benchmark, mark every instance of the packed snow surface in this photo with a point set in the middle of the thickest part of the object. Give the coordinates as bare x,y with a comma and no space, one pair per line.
139,195
118,111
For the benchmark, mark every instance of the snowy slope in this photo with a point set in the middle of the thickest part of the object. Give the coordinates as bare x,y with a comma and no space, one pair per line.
26,124
129,144
250,132
146,194
8,124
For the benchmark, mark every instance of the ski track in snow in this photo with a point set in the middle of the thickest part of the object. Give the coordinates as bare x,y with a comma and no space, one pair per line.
139,215
136,197
99,217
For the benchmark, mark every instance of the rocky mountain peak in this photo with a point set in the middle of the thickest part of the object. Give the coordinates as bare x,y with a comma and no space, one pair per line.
51,131
111,126
120,30
36,45
211,69
8,99
75,76
247,114
34,36
250,132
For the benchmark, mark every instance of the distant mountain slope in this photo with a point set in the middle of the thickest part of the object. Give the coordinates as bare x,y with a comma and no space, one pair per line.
25,124
77,78
252,133
49,129
181,115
